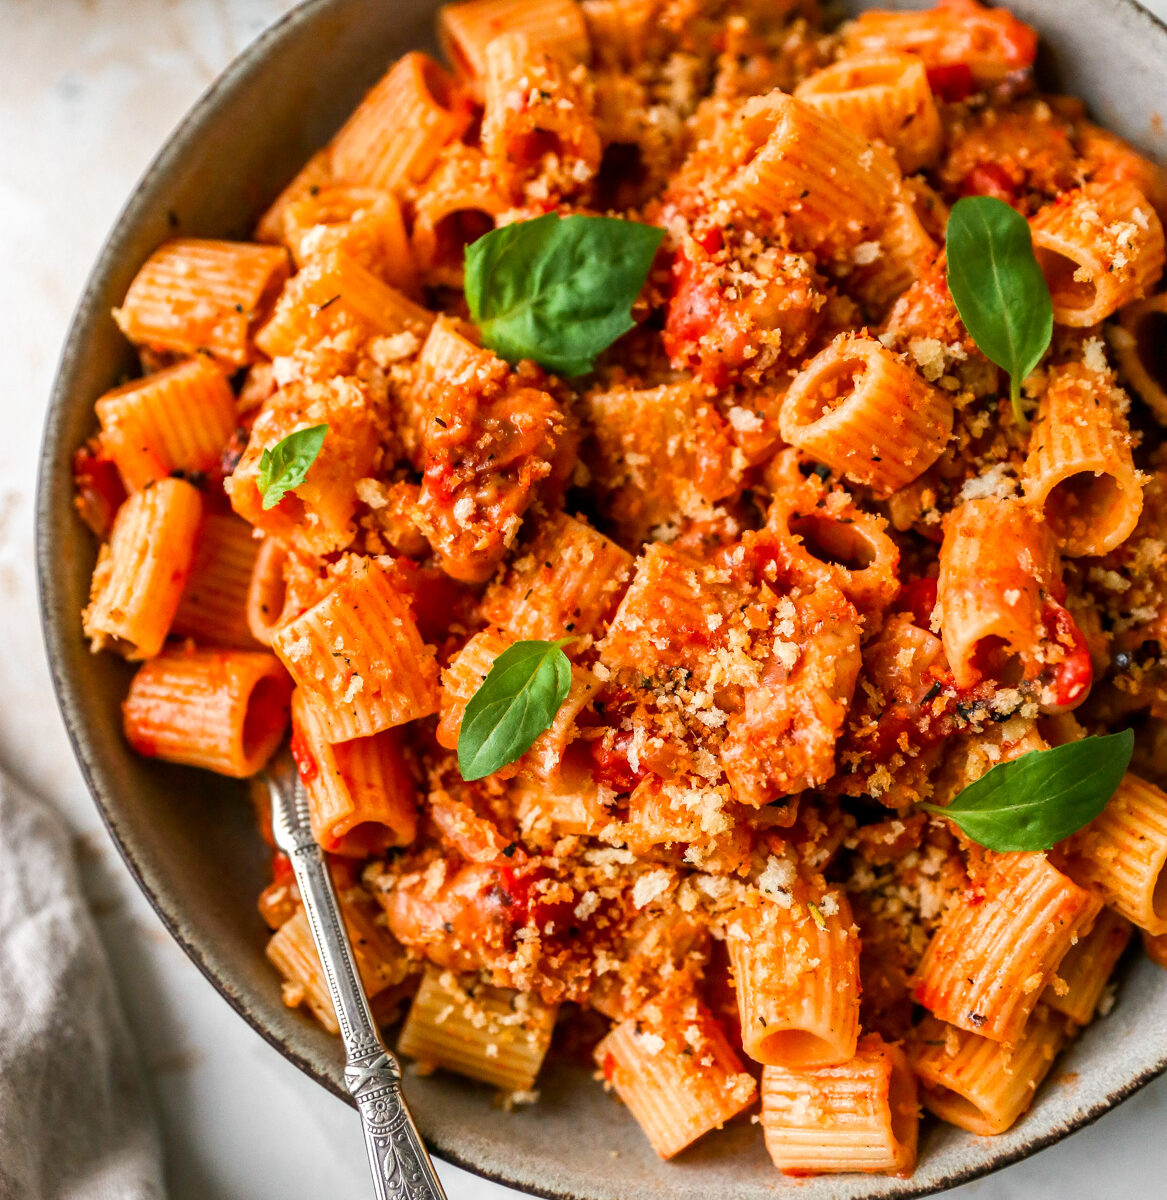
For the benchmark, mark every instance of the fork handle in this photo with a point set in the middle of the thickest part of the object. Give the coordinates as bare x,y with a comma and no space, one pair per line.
401,1168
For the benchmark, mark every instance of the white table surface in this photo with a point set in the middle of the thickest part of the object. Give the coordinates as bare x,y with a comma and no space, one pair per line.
88,91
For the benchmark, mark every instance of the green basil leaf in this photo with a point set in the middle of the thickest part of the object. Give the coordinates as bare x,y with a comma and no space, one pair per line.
558,289
1000,292
1041,798
518,699
284,466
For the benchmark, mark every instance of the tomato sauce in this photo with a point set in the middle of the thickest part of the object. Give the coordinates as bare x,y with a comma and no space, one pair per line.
952,82
305,760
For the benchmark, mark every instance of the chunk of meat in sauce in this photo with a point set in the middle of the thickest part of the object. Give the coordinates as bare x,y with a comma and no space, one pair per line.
784,739
459,916
486,460
729,319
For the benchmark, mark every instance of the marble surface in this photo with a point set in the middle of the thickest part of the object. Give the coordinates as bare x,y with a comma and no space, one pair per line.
88,91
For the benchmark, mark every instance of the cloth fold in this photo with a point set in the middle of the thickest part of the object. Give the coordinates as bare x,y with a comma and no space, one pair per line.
75,1121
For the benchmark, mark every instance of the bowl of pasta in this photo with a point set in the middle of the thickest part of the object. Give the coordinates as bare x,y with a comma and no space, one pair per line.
688,480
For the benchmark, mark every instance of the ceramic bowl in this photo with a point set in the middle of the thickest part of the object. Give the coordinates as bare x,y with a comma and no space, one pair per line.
189,838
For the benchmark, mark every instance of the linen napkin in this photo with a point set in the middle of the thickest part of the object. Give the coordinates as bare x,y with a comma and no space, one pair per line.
75,1123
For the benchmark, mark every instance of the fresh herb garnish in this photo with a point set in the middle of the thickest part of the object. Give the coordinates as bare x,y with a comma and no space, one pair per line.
999,289
1039,799
517,701
558,289
284,466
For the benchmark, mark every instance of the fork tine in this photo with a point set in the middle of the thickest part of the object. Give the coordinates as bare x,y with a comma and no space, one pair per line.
290,824
280,771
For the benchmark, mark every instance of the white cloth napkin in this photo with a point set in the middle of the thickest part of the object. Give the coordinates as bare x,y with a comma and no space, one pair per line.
75,1123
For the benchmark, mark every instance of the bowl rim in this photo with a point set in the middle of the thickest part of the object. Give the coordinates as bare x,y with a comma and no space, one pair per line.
178,143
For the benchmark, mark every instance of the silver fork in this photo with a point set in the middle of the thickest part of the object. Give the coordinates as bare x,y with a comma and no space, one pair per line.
401,1167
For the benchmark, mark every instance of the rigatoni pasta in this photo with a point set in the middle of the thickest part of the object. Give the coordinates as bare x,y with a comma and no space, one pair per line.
362,798
826,535
987,43
213,604
899,254
267,593
1122,854
881,96
1080,471
366,223
1100,248
174,420
394,136
1081,978
222,710
1156,948
491,1034
332,294
466,30
673,1066
203,296
659,451
997,947
141,572
315,174
998,563
795,966
979,1084
537,125
359,659
800,169
460,201
1137,341
563,583
859,409
861,1115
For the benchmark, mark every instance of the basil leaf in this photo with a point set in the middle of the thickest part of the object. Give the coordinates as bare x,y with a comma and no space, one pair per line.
284,466
1042,797
558,289
999,289
518,699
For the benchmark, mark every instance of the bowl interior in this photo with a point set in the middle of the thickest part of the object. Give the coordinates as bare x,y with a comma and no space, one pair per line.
189,837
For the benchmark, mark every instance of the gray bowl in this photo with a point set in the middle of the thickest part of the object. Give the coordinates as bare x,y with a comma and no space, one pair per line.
189,838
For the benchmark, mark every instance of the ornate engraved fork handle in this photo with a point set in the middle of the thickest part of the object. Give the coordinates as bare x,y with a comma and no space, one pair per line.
401,1167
